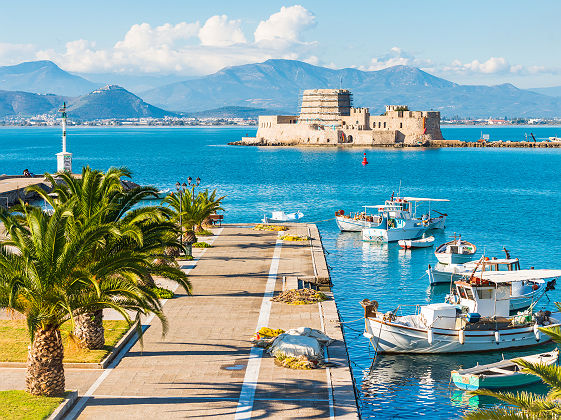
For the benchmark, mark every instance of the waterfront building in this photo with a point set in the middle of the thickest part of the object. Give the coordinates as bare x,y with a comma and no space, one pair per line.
327,117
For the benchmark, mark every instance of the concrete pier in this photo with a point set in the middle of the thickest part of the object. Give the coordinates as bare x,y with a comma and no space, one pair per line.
12,188
206,365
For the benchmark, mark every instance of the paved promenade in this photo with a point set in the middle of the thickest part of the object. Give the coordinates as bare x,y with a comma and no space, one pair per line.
205,366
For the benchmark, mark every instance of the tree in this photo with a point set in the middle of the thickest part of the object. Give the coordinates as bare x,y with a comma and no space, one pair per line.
194,210
528,405
98,198
46,274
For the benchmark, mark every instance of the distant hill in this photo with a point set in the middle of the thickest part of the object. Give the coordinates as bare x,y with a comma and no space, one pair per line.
112,101
43,77
550,91
232,112
277,84
25,104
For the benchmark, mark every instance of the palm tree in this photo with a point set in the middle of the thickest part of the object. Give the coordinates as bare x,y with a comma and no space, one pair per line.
46,274
99,198
194,210
527,405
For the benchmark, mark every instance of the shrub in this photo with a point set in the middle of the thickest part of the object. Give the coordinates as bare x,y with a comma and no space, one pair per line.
163,293
201,245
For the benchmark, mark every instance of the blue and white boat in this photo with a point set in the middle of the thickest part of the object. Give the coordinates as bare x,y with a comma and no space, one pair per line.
355,222
503,374
395,223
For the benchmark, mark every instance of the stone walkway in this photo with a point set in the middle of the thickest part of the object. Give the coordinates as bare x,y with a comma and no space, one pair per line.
199,369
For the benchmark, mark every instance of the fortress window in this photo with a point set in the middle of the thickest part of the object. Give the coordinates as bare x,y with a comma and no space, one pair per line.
400,125
328,140
384,125
379,124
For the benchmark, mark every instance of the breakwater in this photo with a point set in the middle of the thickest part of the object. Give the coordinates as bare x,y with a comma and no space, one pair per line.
508,143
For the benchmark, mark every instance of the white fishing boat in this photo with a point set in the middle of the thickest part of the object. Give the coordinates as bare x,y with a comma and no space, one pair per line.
416,243
355,222
456,251
449,273
503,374
281,216
480,321
395,224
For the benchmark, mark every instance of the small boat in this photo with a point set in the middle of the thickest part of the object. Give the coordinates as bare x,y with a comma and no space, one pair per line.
503,374
281,216
449,273
355,222
456,251
479,321
395,223
416,243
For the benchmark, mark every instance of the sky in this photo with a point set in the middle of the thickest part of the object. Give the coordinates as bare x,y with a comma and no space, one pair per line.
468,42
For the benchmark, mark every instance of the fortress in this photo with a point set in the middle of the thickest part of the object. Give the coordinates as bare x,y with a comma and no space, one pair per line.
328,118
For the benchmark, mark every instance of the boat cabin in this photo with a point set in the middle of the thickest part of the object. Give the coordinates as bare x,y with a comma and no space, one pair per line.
485,297
496,264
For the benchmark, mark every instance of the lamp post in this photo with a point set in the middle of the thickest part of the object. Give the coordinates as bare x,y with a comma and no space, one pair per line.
181,190
193,185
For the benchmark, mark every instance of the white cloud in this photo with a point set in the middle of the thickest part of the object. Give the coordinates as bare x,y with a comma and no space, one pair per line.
192,48
218,31
491,66
286,25
396,57
15,53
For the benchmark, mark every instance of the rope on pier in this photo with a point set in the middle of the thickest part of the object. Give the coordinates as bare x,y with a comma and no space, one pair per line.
321,221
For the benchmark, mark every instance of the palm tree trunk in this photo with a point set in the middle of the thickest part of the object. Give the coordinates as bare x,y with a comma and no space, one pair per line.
89,330
45,372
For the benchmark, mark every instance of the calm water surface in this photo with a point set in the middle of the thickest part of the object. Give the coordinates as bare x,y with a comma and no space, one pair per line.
499,197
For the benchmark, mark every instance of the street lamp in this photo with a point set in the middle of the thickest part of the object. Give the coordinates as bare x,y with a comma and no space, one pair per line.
181,190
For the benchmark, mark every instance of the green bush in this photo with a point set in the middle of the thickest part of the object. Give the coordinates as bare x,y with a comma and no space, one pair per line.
201,245
204,232
163,293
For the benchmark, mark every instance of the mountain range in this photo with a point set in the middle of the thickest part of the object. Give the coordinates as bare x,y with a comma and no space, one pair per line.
108,102
273,86
279,83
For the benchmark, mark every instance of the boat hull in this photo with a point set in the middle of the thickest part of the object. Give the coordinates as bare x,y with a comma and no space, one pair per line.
474,382
412,244
391,235
388,337
346,224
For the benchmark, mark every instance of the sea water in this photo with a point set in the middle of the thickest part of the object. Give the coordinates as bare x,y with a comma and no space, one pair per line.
498,198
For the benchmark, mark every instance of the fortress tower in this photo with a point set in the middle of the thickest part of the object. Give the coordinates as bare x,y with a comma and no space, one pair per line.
325,106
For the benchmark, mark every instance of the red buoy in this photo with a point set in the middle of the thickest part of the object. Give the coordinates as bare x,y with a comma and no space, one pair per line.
364,160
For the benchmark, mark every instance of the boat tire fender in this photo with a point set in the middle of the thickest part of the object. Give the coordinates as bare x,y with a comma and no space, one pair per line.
537,332
497,337
430,336
462,336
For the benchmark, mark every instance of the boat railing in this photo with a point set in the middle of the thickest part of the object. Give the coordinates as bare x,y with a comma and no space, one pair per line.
398,311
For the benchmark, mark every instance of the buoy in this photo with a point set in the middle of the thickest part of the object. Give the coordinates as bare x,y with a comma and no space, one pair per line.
364,160
497,337
462,337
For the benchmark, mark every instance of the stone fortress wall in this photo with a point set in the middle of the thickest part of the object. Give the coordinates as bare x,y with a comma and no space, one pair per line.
327,118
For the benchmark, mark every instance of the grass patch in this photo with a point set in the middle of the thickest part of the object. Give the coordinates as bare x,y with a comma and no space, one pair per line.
272,228
202,245
19,405
204,232
14,340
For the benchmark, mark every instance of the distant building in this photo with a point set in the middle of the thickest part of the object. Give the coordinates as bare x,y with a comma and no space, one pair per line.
328,118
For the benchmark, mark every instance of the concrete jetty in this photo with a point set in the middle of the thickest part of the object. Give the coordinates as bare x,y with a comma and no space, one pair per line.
206,365
12,188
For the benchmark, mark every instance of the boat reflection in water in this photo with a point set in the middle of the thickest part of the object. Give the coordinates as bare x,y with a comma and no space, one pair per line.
398,380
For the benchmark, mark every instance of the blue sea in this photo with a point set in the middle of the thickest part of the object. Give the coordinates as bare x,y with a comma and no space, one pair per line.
498,197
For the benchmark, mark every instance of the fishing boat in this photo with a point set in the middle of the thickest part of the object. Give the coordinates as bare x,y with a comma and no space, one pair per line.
503,374
355,222
480,321
281,216
395,223
416,243
449,273
456,251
